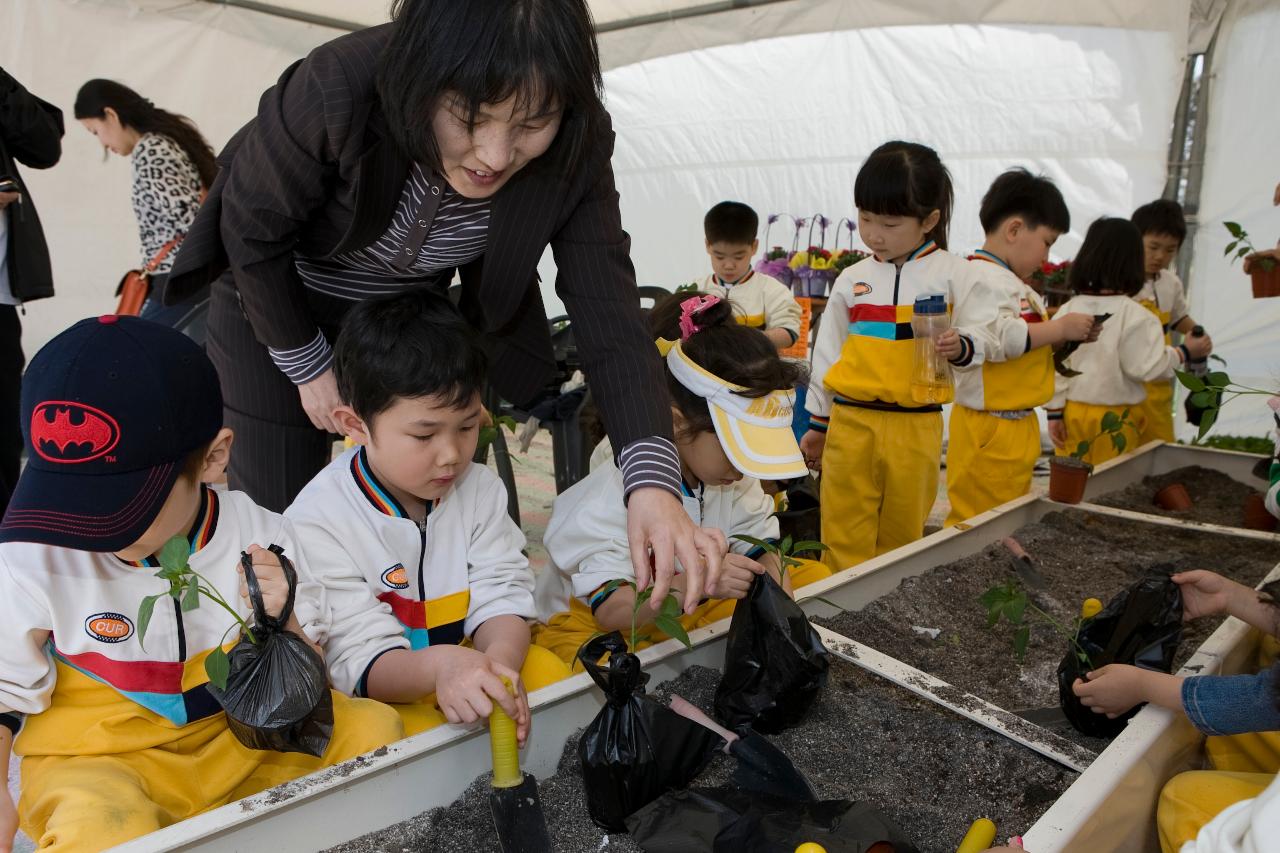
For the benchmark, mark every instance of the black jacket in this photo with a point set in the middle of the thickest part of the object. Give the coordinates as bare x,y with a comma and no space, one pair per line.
30,134
318,172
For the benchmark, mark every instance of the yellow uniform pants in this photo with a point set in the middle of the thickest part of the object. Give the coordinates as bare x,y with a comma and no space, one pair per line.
567,632
989,460
1158,413
541,668
879,481
1084,421
1190,800
100,799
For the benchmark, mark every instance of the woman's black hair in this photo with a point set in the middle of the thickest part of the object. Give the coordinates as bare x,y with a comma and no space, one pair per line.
543,52
1109,259
906,179
136,112
734,352
413,344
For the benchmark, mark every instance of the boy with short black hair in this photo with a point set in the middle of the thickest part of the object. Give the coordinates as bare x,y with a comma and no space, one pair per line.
1163,228
994,436
759,301
123,426
426,587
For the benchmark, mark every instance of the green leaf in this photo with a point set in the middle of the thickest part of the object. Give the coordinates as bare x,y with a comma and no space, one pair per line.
1118,441
174,554
1207,420
191,600
768,547
1213,356
806,545
1020,640
1203,399
670,606
1230,247
643,596
1016,606
1190,380
1235,229
144,616
672,628
1082,450
1245,251
217,667
1110,422
785,547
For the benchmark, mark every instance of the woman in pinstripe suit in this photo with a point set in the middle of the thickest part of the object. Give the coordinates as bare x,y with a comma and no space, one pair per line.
460,137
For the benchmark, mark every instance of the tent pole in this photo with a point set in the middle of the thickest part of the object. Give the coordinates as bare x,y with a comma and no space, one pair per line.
1192,152
291,14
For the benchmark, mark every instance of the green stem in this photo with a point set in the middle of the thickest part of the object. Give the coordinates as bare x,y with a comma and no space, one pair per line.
1071,637
213,595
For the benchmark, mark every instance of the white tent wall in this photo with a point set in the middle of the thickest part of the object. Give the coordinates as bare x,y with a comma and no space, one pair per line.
1241,171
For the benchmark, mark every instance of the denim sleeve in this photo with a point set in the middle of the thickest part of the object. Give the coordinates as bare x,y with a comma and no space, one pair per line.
1232,704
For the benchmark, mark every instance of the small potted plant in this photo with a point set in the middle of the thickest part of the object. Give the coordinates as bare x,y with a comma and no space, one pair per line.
1050,281
1069,474
1213,391
1264,272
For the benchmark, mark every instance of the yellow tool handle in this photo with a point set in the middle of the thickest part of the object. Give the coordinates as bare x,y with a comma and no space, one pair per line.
811,847
1091,608
979,836
502,743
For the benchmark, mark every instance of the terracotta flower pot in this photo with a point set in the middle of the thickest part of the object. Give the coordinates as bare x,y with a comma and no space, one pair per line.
1173,497
1256,516
1067,479
1265,282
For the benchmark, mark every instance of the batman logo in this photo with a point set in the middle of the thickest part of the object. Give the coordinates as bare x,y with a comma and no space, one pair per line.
72,432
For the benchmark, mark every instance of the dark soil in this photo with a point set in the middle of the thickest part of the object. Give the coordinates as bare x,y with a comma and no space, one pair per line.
1216,498
1080,555
930,771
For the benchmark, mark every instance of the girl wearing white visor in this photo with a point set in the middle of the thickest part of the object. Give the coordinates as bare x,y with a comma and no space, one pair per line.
731,401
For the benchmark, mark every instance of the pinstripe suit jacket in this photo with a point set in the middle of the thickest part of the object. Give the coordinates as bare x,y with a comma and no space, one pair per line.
317,172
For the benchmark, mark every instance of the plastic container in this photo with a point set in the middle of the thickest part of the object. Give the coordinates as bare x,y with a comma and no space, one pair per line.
1173,497
931,373
1256,516
1068,477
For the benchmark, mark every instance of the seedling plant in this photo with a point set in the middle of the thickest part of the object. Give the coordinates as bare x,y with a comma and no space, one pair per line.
186,585
785,550
1241,246
1209,392
1010,601
1112,426
667,621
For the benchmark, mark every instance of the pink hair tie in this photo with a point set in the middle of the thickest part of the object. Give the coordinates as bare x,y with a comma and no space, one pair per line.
690,308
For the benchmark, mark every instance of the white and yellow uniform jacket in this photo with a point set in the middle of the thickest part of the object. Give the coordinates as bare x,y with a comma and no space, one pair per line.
65,611
390,583
1164,297
587,535
865,348
758,300
1129,352
1014,378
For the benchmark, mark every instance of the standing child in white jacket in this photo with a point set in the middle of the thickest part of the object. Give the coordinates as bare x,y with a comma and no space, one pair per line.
731,402
1130,350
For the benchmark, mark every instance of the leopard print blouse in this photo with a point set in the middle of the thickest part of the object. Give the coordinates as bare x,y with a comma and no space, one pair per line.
166,194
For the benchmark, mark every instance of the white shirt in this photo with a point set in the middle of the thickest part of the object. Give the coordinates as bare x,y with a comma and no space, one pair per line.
758,300
6,292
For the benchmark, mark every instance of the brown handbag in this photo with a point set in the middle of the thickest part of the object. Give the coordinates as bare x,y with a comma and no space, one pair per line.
136,284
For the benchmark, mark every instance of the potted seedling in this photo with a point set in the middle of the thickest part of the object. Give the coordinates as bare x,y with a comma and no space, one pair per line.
1210,393
1264,272
1069,474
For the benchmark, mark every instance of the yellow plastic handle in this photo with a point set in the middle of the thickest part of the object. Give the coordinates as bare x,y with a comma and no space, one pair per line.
979,836
811,847
502,743
1091,608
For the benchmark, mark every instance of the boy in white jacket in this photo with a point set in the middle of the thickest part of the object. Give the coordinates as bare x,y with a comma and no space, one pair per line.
123,423
1130,350
425,586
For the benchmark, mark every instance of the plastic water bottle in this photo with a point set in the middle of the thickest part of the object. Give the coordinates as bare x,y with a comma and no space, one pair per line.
1198,366
931,373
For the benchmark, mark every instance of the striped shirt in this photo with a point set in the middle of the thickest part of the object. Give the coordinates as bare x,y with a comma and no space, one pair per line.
418,247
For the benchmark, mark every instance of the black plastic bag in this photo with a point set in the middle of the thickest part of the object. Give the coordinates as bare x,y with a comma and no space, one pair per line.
1141,626
802,519
636,749
774,662
717,821
277,694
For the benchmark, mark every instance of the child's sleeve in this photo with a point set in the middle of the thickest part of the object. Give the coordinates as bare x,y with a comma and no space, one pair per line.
587,537
1061,384
1232,704
498,573
781,311
985,310
833,328
337,609
27,675
751,515
1144,357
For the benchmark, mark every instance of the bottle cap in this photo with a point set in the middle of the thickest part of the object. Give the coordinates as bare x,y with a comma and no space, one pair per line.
931,303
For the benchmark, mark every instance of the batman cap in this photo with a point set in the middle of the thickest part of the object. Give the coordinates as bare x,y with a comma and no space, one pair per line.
110,410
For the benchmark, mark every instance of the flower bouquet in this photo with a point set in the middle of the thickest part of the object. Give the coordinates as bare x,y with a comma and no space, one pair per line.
776,260
812,268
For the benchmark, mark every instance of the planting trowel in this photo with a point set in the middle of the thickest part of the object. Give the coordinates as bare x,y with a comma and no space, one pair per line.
517,812
1023,565
1062,354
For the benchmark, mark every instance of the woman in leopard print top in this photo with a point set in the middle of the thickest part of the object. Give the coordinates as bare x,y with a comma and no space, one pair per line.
172,167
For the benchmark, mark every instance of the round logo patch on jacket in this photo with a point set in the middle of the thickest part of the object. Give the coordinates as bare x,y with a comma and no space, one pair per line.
396,577
109,627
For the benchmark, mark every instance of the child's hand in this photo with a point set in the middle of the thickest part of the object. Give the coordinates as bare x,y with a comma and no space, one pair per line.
811,446
271,580
948,344
1077,327
736,577
8,822
1198,347
1058,432
1203,593
468,682
1112,690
